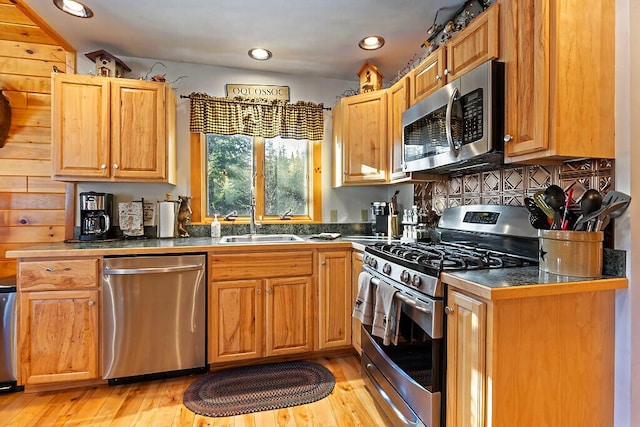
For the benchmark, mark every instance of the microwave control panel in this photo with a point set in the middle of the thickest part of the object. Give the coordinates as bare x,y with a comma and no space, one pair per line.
472,120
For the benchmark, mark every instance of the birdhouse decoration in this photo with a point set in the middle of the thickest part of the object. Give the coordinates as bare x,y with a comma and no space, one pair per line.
370,78
107,65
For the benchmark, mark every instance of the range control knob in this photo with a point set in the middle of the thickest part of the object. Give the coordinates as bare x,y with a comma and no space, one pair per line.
386,269
415,281
405,277
373,263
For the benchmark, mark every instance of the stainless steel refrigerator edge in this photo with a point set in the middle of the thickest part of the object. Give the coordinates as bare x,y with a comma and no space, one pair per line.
154,315
8,365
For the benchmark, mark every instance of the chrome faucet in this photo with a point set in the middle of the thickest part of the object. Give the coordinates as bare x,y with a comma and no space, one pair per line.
252,216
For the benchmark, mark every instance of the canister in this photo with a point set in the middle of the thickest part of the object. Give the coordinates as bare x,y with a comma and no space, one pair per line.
571,253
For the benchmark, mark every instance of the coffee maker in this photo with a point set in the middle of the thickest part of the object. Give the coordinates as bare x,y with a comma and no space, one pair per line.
380,218
96,213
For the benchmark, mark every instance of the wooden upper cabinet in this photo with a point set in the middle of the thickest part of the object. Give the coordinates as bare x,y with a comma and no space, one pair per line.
428,76
108,129
81,127
398,97
559,84
475,44
364,138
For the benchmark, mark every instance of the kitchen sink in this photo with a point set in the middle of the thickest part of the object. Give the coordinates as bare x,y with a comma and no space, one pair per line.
262,238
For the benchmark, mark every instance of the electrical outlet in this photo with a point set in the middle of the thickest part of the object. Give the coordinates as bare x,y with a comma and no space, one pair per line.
333,215
364,215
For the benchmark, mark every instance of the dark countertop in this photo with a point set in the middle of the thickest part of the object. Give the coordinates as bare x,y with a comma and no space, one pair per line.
503,283
162,246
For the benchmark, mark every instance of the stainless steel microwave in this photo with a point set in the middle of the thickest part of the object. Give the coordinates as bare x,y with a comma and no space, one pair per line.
460,127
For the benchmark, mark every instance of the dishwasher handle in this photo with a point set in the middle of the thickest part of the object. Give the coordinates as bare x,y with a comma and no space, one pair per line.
152,270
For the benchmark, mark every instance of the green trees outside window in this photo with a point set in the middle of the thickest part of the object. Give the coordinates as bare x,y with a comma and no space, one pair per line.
279,167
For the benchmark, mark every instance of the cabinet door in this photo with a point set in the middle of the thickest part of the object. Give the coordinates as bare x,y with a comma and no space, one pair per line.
289,315
365,138
428,76
58,336
235,313
81,127
474,45
398,103
466,330
334,308
526,56
138,130
356,269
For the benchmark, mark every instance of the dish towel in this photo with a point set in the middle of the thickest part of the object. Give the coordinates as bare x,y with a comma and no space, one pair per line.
386,314
363,308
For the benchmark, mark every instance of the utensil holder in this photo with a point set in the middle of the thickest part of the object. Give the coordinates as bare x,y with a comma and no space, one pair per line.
571,253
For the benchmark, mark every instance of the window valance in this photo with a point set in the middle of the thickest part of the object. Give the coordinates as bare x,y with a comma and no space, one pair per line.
256,117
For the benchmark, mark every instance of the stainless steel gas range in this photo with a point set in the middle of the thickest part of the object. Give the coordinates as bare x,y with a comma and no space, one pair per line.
407,379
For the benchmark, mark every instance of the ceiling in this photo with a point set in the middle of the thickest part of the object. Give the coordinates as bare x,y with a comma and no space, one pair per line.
314,38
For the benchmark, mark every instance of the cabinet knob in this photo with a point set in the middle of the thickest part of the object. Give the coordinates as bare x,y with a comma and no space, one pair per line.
507,138
438,77
448,310
115,166
49,269
446,71
91,303
323,263
103,166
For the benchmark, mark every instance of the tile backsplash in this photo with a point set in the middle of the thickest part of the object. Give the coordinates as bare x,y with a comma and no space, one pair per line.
510,185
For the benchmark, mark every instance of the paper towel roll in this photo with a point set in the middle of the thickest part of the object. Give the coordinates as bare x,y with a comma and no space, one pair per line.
167,219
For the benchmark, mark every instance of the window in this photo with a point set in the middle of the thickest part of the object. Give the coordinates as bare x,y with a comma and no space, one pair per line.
285,172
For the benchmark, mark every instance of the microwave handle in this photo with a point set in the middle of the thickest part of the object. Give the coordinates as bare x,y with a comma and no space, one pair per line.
452,145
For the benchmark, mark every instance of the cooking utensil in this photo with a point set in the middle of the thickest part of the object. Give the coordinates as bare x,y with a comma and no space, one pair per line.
555,197
598,215
538,197
610,198
590,202
565,224
537,217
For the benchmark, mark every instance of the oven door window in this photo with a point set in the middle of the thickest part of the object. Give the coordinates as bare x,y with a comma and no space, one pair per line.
417,355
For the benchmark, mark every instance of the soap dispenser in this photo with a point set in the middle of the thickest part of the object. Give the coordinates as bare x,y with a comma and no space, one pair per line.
215,227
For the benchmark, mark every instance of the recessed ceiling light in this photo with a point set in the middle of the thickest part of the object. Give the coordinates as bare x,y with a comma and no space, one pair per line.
260,54
74,8
371,42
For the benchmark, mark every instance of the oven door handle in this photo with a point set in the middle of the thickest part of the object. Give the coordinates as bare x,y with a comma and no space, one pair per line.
455,149
413,304
406,300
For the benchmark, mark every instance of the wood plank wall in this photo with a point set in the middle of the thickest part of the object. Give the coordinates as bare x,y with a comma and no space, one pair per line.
32,206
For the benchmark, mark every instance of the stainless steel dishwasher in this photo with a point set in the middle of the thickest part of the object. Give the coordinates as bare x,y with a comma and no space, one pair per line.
154,316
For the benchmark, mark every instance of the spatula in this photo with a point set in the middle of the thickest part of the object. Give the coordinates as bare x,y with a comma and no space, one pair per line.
613,197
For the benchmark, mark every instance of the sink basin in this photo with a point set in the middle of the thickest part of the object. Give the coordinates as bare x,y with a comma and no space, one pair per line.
262,238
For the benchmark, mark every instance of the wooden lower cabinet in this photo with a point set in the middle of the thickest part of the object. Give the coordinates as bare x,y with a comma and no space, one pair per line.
530,361
58,320
59,336
466,329
334,294
258,318
255,309
356,269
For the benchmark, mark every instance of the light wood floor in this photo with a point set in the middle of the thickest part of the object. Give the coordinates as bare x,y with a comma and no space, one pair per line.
159,403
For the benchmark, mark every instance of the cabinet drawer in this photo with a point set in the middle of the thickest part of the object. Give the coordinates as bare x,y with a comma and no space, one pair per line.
58,274
260,265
